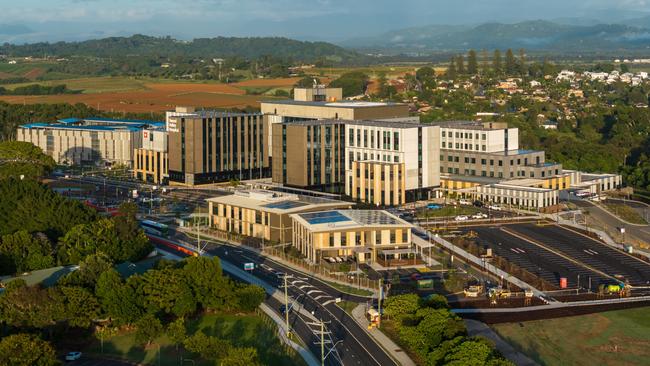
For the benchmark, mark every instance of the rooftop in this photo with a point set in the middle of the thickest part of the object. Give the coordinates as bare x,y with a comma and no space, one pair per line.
212,114
348,219
121,121
277,202
375,123
472,125
48,126
346,104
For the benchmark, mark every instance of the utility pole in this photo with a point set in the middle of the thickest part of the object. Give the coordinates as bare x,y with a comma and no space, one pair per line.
286,305
322,343
381,294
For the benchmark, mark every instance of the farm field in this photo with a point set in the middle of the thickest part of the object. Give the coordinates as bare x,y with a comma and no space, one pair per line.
610,338
122,94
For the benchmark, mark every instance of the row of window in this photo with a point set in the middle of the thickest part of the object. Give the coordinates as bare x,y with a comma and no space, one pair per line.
368,238
383,140
465,135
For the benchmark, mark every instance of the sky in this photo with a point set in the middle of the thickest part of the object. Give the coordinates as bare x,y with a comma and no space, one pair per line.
330,20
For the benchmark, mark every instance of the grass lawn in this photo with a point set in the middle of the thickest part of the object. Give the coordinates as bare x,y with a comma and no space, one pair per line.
348,306
350,289
625,212
242,330
448,211
612,338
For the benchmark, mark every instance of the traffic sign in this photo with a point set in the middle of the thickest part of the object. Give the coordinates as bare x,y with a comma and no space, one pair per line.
249,266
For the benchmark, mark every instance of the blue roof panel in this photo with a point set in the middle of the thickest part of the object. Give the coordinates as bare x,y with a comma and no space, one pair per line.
70,120
123,121
325,217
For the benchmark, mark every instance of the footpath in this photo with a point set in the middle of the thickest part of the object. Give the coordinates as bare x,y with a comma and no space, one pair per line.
477,328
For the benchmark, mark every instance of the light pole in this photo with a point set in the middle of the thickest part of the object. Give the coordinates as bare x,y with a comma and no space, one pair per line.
153,188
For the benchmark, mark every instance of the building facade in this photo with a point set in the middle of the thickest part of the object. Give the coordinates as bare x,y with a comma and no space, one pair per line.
365,235
400,157
263,214
530,198
150,162
309,154
82,144
209,147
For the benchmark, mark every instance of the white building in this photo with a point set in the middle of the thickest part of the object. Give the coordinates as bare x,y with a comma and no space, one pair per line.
486,137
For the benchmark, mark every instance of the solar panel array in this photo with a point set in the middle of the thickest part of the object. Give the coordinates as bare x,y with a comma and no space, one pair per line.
326,217
285,205
372,217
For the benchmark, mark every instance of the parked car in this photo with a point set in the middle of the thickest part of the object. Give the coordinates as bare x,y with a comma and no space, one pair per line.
433,206
73,356
461,218
465,202
479,216
494,207
478,203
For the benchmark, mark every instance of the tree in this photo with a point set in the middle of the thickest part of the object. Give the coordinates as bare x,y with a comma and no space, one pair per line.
460,64
496,62
241,356
472,63
26,350
89,271
19,158
250,297
211,289
166,290
24,306
474,351
307,82
148,328
118,300
451,70
485,62
401,305
80,306
523,69
353,83
176,331
22,252
210,348
511,63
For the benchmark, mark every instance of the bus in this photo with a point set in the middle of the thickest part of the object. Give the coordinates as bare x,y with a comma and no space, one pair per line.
154,228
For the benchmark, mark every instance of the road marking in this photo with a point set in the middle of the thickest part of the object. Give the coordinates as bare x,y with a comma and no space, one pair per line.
322,296
313,291
328,302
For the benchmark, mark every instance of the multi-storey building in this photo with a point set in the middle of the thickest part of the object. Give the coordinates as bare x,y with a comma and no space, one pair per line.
309,154
150,161
87,141
264,214
210,146
366,235
390,163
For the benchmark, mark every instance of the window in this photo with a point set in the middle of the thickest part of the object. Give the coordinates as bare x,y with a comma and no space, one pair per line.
344,239
405,236
331,240
483,137
483,161
443,144
351,142
392,237
443,133
357,238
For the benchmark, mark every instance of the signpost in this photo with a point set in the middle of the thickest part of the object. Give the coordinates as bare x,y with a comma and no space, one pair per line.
249,266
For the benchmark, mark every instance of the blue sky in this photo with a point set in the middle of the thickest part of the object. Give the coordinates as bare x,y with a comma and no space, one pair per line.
35,20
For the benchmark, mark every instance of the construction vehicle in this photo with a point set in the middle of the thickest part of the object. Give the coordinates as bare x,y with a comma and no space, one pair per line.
499,293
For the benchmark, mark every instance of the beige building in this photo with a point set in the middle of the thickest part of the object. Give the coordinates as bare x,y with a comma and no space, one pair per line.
296,110
309,154
318,93
150,162
210,146
264,214
391,163
83,144
531,198
365,235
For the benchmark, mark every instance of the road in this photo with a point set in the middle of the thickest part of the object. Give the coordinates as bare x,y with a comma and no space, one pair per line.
357,346
638,232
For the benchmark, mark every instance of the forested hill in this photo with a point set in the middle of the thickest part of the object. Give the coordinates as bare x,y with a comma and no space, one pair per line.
142,45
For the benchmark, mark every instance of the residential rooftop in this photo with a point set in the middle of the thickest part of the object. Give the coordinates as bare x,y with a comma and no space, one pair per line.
334,220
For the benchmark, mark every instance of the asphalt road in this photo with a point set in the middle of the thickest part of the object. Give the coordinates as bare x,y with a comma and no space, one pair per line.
356,346
537,260
640,232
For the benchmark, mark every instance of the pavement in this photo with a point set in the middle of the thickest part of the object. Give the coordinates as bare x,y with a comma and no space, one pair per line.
354,346
611,222
477,328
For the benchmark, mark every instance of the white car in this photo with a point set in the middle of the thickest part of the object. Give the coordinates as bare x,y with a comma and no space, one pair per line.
461,218
479,216
465,202
494,207
73,356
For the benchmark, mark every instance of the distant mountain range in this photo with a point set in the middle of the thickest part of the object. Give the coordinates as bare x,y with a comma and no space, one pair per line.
562,35
148,46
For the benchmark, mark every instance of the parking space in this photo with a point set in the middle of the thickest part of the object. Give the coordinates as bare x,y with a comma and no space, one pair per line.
538,261
589,251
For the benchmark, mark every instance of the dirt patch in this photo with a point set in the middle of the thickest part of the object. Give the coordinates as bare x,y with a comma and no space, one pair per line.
6,75
268,82
33,74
